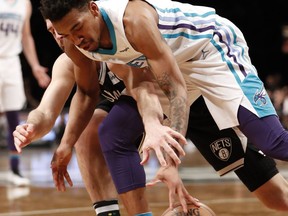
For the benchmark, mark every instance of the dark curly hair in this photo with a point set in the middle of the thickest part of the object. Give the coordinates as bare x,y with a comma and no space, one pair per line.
55,10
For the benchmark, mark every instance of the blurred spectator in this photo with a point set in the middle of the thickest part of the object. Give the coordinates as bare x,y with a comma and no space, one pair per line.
285,39
15,36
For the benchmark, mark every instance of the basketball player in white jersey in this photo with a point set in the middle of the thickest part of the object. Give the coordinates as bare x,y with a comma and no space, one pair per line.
15,35
95,175
273,181
178,40
191,50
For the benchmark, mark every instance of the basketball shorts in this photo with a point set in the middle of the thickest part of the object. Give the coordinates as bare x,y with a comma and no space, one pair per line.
224,150
104,104
12,94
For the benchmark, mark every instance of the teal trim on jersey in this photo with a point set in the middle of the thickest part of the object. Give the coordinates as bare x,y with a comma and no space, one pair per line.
176,10
189,36
254,90
145,214
229,64
111,33
235,39
234,35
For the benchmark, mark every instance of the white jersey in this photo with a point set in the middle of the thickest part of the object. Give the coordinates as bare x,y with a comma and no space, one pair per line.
12,16
211,53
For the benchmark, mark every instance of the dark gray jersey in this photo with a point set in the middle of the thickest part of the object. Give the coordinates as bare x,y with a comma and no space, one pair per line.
111,86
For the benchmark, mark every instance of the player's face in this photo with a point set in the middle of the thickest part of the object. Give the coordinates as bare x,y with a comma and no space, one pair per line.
82,28
57,37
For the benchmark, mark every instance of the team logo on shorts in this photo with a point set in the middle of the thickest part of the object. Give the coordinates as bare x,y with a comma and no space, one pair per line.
222,148
260,97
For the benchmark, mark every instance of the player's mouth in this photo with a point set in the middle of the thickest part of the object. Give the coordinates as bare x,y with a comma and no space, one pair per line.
85,46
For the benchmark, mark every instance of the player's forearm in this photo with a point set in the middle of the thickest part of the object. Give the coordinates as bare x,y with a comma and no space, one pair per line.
179,112
81,110
148,103
43,122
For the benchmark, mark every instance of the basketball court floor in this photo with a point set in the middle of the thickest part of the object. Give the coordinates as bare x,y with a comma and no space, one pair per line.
225,195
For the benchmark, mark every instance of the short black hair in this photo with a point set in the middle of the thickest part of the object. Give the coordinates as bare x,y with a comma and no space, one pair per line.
55,10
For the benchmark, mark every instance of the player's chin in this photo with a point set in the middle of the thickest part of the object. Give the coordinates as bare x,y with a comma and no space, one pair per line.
91,47
192,210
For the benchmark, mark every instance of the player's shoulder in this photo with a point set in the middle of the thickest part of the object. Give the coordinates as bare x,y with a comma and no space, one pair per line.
63,59
63,63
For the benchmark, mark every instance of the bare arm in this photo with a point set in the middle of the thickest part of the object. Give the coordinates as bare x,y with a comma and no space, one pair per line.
86,96
162,63
81,110
140,84
39,72
41,120
54,98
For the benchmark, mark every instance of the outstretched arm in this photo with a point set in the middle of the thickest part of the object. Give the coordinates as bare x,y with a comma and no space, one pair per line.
152,116
81,110
162,63
164,68
85,98
139,84
41,120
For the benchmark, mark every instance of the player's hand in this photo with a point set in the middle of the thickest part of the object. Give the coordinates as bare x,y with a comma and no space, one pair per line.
59,163
40,73
162,138
177,191
23,135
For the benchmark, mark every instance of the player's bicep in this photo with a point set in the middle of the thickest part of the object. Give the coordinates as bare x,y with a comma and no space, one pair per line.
149,41
85,70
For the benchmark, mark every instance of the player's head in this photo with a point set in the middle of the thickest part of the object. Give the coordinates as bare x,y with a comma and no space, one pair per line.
55,10
75,20
57,37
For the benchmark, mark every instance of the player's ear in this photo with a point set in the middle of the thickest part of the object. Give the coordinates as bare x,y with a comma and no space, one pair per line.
93,7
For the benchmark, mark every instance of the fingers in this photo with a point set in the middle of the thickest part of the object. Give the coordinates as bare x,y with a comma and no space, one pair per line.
172,200
160,156
61,182
177,140
22,136
153,182
55,175
59,175
182,200
190,199
17,145
59,165
172,154
68,179
145,156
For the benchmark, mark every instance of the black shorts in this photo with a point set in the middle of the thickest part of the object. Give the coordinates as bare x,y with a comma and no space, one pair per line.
224,150
104,104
